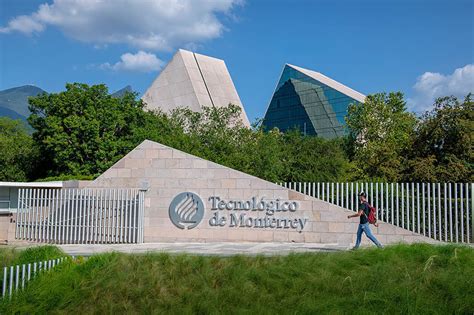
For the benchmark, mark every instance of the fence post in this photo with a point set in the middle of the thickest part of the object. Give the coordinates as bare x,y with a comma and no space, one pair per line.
49,211
17,278
53,214
23,271
5,277
423,207
41,216
429,209
413,207
403,204
418,207
19,221
456,217
18,214
382,199
472,212
434,210
450,200
461,191
348,195
408,206
332,192
439,209
352,196
11,281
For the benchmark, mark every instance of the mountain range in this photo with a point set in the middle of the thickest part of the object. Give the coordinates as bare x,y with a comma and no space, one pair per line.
14,101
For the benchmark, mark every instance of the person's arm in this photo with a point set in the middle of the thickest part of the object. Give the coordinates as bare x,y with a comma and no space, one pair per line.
355,215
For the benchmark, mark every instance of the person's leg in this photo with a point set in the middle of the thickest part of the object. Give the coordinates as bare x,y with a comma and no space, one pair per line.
359,236
371,236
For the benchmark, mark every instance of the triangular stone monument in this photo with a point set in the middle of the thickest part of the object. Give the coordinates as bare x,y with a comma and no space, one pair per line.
189,199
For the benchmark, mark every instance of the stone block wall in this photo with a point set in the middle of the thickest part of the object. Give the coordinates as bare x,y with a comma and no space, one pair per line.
166,172
7,228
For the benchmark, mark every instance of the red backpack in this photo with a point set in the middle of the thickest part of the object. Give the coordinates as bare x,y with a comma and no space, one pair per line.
372,217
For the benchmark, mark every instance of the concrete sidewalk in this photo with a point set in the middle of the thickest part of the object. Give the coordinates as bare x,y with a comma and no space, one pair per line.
222,248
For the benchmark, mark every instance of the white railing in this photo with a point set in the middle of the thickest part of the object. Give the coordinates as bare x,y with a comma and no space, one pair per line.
16,277
80,216
442,211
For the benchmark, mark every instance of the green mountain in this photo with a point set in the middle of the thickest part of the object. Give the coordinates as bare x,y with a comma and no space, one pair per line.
14,101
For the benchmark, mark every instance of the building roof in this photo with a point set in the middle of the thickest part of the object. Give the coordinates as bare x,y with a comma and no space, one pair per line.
331,83
193,80
56,184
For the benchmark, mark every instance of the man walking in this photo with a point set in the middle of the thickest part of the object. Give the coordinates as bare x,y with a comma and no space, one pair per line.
363,213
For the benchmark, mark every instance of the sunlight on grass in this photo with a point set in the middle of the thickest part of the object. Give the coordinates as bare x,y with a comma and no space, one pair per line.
410,279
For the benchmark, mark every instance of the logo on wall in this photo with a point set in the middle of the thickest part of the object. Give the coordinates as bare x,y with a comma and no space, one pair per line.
186,210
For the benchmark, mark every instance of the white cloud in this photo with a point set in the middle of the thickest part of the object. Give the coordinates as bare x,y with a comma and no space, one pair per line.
152,25
431,85
24,24
141,62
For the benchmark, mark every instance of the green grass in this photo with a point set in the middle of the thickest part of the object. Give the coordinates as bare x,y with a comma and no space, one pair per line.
13,256
415,279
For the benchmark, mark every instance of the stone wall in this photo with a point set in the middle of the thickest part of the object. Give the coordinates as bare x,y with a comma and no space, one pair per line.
7,228
166,172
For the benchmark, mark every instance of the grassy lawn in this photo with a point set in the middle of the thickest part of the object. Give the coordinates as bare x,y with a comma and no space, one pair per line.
408,279
13,256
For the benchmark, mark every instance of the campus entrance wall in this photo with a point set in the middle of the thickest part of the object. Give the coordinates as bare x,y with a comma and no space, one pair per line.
190,199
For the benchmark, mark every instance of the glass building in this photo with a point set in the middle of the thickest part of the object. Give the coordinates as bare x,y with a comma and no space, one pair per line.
311,102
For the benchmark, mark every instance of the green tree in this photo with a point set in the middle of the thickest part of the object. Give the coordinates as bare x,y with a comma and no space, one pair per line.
17,151
443,143
313,159
84,130
217,134
380,133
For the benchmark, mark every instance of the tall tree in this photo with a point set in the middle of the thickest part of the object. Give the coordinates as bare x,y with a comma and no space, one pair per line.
444,141
380,131
84,130
17,151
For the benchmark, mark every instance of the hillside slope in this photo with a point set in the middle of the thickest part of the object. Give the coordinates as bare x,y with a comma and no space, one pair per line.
14,101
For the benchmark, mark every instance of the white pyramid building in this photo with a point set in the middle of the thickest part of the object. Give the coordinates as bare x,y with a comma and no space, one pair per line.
193,80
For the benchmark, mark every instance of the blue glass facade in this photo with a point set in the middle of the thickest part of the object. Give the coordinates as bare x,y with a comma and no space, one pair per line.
301,102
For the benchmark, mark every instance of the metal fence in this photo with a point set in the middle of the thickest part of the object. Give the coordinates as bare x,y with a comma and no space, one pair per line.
442,211
17,277
80,216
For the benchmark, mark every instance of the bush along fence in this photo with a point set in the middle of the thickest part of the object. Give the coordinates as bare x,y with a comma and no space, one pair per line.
442,211
16,277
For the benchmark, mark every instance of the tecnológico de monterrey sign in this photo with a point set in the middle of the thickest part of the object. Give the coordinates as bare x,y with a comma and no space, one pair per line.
187,210
241,213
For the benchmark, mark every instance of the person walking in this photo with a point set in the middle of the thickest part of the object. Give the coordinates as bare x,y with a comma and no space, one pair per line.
364,227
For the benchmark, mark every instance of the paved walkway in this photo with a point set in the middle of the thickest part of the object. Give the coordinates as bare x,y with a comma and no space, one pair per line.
223,248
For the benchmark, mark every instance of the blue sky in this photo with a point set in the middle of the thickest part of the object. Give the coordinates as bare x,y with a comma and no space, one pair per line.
422,48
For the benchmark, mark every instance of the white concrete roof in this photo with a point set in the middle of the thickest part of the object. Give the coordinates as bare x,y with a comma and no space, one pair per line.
56,184
331,83
193,80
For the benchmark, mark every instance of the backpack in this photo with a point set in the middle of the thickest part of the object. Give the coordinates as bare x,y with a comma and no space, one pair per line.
372,217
